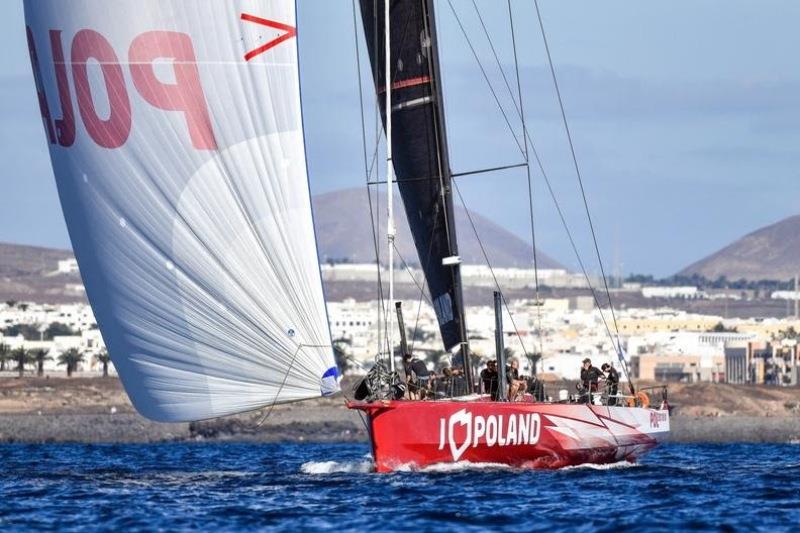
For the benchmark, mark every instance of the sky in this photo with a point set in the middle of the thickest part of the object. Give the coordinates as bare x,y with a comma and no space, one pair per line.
685,117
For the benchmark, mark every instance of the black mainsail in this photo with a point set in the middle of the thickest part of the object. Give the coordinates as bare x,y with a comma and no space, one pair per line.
419,147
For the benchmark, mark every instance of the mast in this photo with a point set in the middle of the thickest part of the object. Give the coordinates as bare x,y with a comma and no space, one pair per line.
390,231
413,118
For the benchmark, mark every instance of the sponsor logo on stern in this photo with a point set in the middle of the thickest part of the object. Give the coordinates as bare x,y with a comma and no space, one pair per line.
656,418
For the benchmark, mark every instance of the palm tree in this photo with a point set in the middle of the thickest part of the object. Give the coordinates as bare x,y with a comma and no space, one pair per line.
40,356
508,353
5,355
22,357
104,358
71,358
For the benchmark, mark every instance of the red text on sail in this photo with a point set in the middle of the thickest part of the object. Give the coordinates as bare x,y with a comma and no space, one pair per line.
185,95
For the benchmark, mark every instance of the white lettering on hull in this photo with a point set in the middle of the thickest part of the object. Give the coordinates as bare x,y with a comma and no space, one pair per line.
494,430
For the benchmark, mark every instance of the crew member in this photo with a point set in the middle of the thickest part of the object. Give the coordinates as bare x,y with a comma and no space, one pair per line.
536,388
418,376
459,380
590,376
443,385
612,382
489,379
516,386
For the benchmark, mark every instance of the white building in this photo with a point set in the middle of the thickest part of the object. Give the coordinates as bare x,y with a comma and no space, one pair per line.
686,292
39,318
68,266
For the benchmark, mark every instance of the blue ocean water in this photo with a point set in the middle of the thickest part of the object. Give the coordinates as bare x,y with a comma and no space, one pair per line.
330,486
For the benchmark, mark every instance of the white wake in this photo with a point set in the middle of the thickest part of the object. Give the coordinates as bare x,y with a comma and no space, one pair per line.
605,466
366,466
335,467
461,466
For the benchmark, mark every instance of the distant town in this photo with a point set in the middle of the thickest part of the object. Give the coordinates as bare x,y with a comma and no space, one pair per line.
661,340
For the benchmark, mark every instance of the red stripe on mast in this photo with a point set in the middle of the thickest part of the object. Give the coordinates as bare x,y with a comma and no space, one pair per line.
411,82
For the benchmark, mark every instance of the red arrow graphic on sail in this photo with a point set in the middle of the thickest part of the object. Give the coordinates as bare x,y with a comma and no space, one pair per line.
291,31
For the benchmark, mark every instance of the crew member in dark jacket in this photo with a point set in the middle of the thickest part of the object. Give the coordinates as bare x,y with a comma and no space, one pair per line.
459,381
489,379
612,382
418,376
590,376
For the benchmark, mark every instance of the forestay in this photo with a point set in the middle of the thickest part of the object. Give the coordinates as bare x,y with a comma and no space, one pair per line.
175,133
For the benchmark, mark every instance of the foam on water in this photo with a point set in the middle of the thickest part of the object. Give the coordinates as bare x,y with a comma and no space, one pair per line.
606,466
335,467
367,466
462,466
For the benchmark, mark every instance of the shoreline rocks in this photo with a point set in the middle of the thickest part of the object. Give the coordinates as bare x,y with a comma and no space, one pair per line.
97,410
131,428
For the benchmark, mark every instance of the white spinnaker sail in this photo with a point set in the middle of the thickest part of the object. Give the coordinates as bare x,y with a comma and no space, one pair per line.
175,132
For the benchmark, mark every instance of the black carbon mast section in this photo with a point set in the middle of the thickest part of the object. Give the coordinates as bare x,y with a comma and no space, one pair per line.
419,147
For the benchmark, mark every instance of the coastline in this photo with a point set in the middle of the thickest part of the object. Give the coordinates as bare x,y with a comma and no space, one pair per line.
131,428
96,410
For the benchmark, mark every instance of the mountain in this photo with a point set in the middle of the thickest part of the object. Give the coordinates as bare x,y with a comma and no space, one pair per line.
30,273
22,260
772,252
342,220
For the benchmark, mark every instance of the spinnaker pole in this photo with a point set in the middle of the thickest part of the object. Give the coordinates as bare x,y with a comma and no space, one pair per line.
500,353
390,229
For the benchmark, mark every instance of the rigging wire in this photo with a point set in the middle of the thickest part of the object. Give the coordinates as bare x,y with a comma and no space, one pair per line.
546,178
422,293
383,316
429,23
528,140
574,159
485,76
368,172
421,288
523,151
530,183
371,166
403,36
618,345
494,53
491,269
422,296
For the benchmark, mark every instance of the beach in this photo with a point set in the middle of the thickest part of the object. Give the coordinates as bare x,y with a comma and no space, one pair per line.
97,410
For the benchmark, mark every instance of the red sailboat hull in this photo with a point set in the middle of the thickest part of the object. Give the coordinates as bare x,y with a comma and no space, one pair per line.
415,434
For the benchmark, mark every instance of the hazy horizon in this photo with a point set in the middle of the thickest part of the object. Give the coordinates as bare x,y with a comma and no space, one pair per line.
683,117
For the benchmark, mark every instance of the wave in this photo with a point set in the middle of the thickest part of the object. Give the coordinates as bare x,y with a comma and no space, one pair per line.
460,466
335,467
605,466
464,466
368,466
